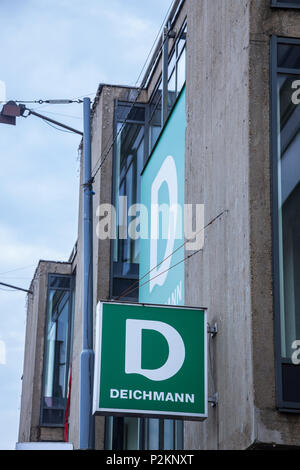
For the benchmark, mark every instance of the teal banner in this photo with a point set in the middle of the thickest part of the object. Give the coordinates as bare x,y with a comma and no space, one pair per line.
162,193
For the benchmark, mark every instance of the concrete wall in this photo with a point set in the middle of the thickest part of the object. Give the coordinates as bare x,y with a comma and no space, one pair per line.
217,175
29,428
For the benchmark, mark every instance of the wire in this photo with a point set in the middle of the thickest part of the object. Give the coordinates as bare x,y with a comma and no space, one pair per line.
160,274
56,128
15,287
137,285
105,153
17,269
7,290
155,40
59,114
11,278
70,101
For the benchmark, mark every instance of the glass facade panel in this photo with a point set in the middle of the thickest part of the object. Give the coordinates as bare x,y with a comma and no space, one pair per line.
176,81
59,282
126,112
152,434
155,126
130,160
181,71
131,437
289,209
289,56
168,434
286,216
128,164
57,351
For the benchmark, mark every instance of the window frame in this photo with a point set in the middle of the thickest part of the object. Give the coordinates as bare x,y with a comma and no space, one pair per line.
70,338
174,55
117,121
275,70
279,4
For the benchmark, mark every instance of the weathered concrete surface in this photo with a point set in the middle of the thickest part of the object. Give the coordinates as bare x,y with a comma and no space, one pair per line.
29,428
217,171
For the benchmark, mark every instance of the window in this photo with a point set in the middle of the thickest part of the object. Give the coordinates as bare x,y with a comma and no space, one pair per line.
285,3
128,164
177,69
143,434
176,81
155,122
57,349
286,214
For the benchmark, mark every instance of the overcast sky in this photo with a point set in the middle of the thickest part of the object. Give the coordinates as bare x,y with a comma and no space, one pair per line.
52,49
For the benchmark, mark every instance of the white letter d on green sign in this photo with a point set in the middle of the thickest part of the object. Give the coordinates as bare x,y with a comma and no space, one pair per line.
133,353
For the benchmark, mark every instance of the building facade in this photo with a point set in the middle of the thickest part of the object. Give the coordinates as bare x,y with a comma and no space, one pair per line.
216,118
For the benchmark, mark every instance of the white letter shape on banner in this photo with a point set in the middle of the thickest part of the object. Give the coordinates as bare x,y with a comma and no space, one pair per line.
133,353
167,174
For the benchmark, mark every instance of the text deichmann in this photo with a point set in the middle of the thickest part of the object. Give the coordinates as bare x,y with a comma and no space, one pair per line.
152,396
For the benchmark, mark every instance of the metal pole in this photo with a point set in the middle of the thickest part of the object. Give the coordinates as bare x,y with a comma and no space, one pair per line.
46,118
16,288
87,431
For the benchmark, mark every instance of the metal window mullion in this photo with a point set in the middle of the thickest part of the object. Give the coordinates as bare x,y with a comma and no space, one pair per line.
146,134
285,40
278,4
274,206
165,66
288,71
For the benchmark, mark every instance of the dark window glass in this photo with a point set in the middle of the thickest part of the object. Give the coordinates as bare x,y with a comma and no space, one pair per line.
143,434
286,214
155,125
288,56
60,282
289,208
57,352
129,162
131,433
125,112
155,122
286,3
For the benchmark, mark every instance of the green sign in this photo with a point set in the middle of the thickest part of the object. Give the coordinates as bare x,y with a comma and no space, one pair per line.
162,193
151,361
